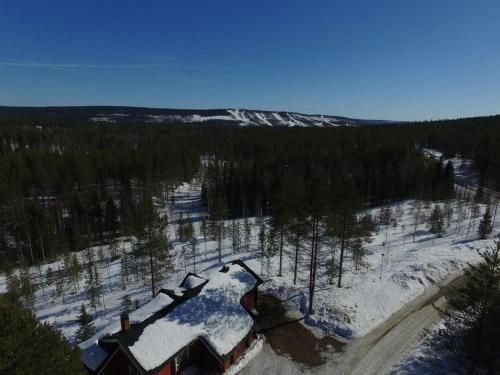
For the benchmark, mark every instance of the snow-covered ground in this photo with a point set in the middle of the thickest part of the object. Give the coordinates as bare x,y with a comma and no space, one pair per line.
464,173
369,296
413,261
423,359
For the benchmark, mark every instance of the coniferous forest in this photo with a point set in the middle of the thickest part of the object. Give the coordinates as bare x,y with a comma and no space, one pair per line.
67,184
73,185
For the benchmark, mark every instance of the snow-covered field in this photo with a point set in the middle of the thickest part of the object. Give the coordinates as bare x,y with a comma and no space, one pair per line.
413,261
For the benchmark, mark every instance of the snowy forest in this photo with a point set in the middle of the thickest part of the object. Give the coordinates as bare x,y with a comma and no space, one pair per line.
96,218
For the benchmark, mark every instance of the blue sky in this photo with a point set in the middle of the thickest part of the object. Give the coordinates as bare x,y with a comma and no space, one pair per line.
382,59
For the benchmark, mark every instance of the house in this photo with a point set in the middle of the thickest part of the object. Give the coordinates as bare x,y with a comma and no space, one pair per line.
207,322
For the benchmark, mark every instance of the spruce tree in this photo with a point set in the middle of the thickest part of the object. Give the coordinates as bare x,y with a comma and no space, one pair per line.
485,225
436,221
85,325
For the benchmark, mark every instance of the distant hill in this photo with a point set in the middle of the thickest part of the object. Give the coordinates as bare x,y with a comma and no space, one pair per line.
242,117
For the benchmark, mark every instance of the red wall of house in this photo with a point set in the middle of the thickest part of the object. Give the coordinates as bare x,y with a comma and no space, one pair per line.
238,351
198,353
168,369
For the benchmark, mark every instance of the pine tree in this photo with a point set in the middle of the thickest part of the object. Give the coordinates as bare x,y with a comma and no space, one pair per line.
218,214
262,244
358,252
448,213
85,325
247,227
193,244
154,244
74,271
124,269
385,218
474,331
111,216
14,292
127,303
271,247
295,233
92,279
60,286
20,288
235,235
30,347
416,217
113,250
485,225
49,275
436,221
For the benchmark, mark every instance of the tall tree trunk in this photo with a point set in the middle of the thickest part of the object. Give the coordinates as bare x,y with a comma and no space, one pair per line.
416,222
314,263
281,250
311,266
297,239
494,214
342,246
220,240
315,266
151,265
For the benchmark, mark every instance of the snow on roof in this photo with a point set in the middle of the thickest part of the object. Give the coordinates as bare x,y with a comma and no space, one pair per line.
145,311
192,281
216,314
93,355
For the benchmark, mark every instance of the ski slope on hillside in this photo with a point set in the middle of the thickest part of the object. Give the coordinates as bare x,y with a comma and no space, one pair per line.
241,117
